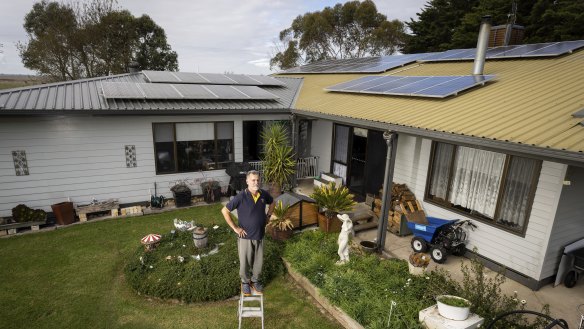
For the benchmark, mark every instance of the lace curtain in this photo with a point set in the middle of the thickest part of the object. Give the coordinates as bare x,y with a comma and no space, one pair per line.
515,201
476,181
441,170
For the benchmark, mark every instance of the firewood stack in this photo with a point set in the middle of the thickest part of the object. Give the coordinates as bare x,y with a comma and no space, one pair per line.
400,193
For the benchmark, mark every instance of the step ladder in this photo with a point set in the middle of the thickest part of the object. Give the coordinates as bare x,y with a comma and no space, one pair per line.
251,311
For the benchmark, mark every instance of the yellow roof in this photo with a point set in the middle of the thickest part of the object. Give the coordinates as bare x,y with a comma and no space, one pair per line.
531,102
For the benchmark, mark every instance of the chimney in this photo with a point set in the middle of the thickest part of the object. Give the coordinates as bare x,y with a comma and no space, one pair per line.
134,67
482,42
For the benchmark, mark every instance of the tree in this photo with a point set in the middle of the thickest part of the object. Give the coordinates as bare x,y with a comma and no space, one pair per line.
72,41
559,20
436,24
351,30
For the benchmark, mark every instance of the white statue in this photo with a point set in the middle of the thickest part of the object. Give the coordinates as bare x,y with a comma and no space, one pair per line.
343,240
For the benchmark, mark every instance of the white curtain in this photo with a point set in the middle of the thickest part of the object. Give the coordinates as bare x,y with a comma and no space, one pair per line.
441,170
476,181
340,170
201,131
341,143
516,194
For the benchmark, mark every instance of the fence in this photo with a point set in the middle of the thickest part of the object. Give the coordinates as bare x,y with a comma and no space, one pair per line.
305,167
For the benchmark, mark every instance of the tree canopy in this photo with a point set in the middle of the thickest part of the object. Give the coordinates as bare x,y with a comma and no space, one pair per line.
449,24
67,41
351,30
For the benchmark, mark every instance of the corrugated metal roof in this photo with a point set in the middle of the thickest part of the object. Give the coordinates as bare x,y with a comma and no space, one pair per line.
86,96
530,103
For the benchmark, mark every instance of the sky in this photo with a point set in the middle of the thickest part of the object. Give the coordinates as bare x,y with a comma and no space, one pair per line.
210,36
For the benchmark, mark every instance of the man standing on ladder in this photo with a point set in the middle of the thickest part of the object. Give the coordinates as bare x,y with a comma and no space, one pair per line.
252,218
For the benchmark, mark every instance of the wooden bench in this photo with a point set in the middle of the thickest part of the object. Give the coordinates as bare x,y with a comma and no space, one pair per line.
8,229
83,211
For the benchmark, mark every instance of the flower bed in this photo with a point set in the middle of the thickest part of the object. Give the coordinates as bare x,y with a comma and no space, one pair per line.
365,287
173,270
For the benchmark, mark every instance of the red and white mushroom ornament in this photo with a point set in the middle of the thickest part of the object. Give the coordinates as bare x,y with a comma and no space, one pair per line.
150,241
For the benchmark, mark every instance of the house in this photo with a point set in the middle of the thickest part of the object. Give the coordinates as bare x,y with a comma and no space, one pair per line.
126,136
505,150
498,139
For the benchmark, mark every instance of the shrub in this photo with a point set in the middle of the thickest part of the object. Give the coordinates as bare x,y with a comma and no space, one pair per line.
213,277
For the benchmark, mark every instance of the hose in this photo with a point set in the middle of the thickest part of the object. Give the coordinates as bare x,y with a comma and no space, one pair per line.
554,322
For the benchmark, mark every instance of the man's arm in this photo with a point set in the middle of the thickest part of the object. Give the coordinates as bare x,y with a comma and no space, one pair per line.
238,230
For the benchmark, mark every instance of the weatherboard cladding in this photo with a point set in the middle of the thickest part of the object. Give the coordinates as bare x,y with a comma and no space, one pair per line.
530,103
86,95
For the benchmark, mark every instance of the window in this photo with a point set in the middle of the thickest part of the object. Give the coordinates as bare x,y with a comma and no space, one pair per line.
186,147
340,151
492,187
252,141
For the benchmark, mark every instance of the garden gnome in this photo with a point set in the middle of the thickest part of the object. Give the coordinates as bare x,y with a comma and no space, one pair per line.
343,240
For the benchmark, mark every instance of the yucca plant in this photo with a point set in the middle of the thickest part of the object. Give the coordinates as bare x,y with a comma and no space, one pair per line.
333,200
278,159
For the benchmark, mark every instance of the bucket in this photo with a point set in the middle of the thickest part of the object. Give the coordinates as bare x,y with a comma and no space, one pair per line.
200,237
368,246
64,213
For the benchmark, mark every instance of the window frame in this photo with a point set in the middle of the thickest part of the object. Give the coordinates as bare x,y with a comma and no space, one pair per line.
175,146
445,204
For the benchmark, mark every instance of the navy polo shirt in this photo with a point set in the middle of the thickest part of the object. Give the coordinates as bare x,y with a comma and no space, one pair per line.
251,215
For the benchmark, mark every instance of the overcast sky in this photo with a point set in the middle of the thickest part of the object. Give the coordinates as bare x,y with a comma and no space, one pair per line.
212,36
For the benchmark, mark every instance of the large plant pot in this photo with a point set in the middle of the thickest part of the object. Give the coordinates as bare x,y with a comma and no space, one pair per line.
330,226
212,195
280,235
453,312
64,213
182,199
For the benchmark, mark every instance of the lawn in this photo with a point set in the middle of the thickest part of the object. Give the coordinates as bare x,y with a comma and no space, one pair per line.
73,278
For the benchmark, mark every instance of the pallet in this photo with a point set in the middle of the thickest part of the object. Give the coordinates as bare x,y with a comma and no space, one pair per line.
8,229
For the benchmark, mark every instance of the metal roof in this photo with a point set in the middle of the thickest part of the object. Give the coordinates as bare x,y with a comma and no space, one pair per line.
531,104
86,96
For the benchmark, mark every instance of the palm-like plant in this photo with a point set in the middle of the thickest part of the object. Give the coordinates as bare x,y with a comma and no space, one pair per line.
333,199
278,159
280,219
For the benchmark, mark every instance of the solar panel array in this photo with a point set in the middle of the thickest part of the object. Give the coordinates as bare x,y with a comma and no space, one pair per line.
358,65
385,63
211,78
131,90
422,86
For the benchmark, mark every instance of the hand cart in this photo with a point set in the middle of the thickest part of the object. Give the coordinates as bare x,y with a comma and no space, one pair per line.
441,236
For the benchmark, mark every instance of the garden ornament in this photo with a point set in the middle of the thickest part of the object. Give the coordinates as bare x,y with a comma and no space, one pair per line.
183,225
343,240
150,241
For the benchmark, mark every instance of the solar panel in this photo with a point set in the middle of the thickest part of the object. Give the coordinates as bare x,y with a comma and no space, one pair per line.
423,86
255,92
131,90
127,90
211,78
161,76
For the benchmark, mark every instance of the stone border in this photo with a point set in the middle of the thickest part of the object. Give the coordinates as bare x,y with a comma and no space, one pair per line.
342,317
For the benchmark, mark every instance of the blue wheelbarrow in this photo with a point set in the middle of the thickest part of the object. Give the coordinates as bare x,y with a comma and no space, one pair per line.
441,237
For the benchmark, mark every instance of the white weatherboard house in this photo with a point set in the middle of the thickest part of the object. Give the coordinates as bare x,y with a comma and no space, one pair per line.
497,141
502,146
114,137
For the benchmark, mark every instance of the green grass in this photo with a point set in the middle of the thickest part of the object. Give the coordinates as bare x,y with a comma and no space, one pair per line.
73,278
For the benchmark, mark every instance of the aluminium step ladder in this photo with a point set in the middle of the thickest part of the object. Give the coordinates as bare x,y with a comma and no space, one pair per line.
251,311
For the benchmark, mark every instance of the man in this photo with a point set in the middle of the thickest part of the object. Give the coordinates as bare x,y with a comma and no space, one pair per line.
251,211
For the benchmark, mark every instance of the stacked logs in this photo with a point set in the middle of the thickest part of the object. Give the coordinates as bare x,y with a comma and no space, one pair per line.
400,193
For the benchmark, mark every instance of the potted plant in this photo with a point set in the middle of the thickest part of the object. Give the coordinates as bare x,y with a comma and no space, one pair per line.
211,191
181,193
332,200
278,162
453,307
418,262
280,224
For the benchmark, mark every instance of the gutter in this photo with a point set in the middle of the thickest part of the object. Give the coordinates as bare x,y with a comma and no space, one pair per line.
531,151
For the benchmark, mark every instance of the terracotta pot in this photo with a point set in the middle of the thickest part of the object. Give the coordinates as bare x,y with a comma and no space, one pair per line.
330,226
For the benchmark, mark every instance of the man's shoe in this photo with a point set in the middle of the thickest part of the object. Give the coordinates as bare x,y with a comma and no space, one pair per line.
258,288
245,289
